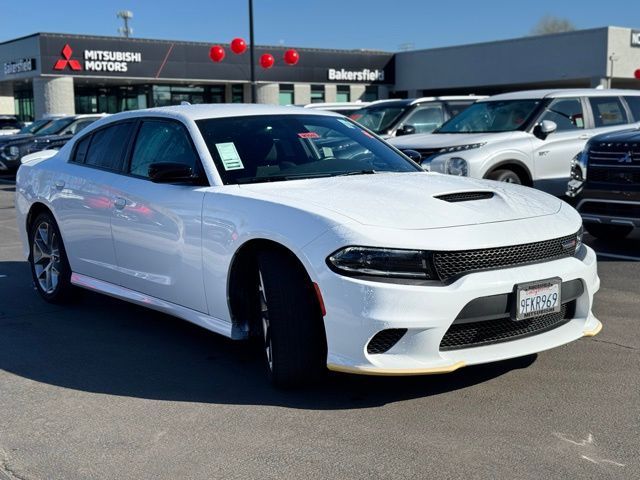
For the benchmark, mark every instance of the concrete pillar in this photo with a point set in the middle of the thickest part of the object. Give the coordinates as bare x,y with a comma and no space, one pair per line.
227,93
301,94
600,82
330,93
356,92
268,93
53,95
7,103
247,93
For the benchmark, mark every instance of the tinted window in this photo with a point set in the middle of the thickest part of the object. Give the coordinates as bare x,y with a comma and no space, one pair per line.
608,111
566,113
108,146
160,142
287,147
78,126
81,149
379,119
456,107
426,119
634,106
492,116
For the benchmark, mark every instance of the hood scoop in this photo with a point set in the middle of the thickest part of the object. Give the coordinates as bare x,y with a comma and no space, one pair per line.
464,196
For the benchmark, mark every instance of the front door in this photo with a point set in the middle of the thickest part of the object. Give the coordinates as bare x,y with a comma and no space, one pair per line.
157,227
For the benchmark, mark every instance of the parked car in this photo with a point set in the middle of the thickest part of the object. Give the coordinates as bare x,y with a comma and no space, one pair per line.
345,108
52,136
239,219
9,125
390,118
524,137
605,184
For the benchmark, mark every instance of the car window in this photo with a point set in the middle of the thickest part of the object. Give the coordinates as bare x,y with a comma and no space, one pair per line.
81,149
457,107
78,126
108,146
608,111
492,116
268,148
159,142
566,113
634,106
378,118
426,119
9,124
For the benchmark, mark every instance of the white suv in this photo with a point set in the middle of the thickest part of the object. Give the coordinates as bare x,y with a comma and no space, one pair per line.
527,137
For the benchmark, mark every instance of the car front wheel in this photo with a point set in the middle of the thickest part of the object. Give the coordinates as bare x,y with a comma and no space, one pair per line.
290,320
48,260
504,175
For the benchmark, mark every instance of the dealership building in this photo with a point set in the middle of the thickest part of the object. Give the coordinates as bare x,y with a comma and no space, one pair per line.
48,73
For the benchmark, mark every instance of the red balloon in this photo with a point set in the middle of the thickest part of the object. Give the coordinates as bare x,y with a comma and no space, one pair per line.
637,74
238,46
216,53
267,60
291,57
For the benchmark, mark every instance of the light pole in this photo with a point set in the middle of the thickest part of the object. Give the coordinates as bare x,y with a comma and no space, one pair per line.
125,15
252,54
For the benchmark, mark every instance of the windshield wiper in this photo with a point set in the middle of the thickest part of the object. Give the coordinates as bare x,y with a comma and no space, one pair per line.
282,178
357,172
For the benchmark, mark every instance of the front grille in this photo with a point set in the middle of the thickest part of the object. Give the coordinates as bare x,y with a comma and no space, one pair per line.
385,339
467,335
464,196
427,152
620,176
452,264
611,209
614,153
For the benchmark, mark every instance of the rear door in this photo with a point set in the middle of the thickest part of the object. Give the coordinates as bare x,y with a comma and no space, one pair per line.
552,156
157,227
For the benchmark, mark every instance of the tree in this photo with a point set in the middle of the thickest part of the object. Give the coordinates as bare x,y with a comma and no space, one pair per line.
550,24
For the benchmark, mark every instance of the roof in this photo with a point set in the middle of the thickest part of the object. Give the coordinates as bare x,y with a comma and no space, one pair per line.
219,110
415,101
562,92
358,103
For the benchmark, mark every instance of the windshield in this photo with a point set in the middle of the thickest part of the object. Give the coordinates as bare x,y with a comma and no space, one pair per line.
496,116
379,119
56,127
33,127
268,148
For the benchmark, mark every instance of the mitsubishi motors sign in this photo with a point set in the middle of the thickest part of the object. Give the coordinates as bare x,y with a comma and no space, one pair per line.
97,60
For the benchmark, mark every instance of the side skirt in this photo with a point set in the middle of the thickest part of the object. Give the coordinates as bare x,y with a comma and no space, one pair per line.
205,321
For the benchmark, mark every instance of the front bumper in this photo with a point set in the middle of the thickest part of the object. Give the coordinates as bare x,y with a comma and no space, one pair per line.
610,207
358,309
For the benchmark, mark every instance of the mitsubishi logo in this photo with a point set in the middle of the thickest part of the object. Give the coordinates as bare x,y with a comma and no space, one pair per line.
626,158
66,59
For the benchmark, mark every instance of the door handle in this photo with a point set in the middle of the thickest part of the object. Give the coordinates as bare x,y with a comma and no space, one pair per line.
59,184
120,203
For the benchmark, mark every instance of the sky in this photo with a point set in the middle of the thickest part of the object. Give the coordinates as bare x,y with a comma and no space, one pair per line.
343,24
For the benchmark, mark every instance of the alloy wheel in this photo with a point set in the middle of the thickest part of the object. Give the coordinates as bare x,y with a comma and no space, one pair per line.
264,318
46,257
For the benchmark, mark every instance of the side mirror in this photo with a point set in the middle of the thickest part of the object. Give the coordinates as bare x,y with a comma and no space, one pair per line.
171,172
406,130
544,129
413,155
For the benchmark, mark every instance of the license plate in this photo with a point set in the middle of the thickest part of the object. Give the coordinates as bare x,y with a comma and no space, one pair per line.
534,299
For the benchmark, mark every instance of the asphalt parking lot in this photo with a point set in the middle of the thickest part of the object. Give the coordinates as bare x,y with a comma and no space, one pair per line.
102,389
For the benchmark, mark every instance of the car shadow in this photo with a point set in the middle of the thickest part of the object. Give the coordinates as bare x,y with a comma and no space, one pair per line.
616,250
103,345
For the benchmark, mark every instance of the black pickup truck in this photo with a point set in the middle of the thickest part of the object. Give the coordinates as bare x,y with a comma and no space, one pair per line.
605,184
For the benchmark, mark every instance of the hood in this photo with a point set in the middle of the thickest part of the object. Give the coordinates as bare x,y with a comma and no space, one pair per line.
439,140
407,200
627,135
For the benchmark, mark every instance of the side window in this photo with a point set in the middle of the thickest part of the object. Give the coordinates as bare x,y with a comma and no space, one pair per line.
566,113
608,111
426,119
77,127
456,107
108,146
80,152
634,106
158,142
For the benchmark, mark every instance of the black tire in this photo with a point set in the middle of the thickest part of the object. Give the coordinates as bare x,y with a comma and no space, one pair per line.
608,232
505,175
61,292
294,334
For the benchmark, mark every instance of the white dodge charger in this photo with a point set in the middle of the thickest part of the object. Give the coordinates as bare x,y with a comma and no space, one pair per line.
306,230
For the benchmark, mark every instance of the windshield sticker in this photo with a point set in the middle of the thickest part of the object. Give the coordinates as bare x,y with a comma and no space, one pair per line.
346,122
229,156
327,152
308,135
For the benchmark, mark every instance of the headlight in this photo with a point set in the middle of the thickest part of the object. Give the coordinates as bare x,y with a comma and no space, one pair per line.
381,262
11,152
456,166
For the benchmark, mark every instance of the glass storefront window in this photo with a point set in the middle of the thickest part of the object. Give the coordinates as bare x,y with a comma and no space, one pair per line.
286,94
237,93
370,93
317,93
217,94
23,104
343,93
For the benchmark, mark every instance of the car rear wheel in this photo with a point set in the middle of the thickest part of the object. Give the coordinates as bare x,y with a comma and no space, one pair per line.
48,260
505,175
290,320
608,232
